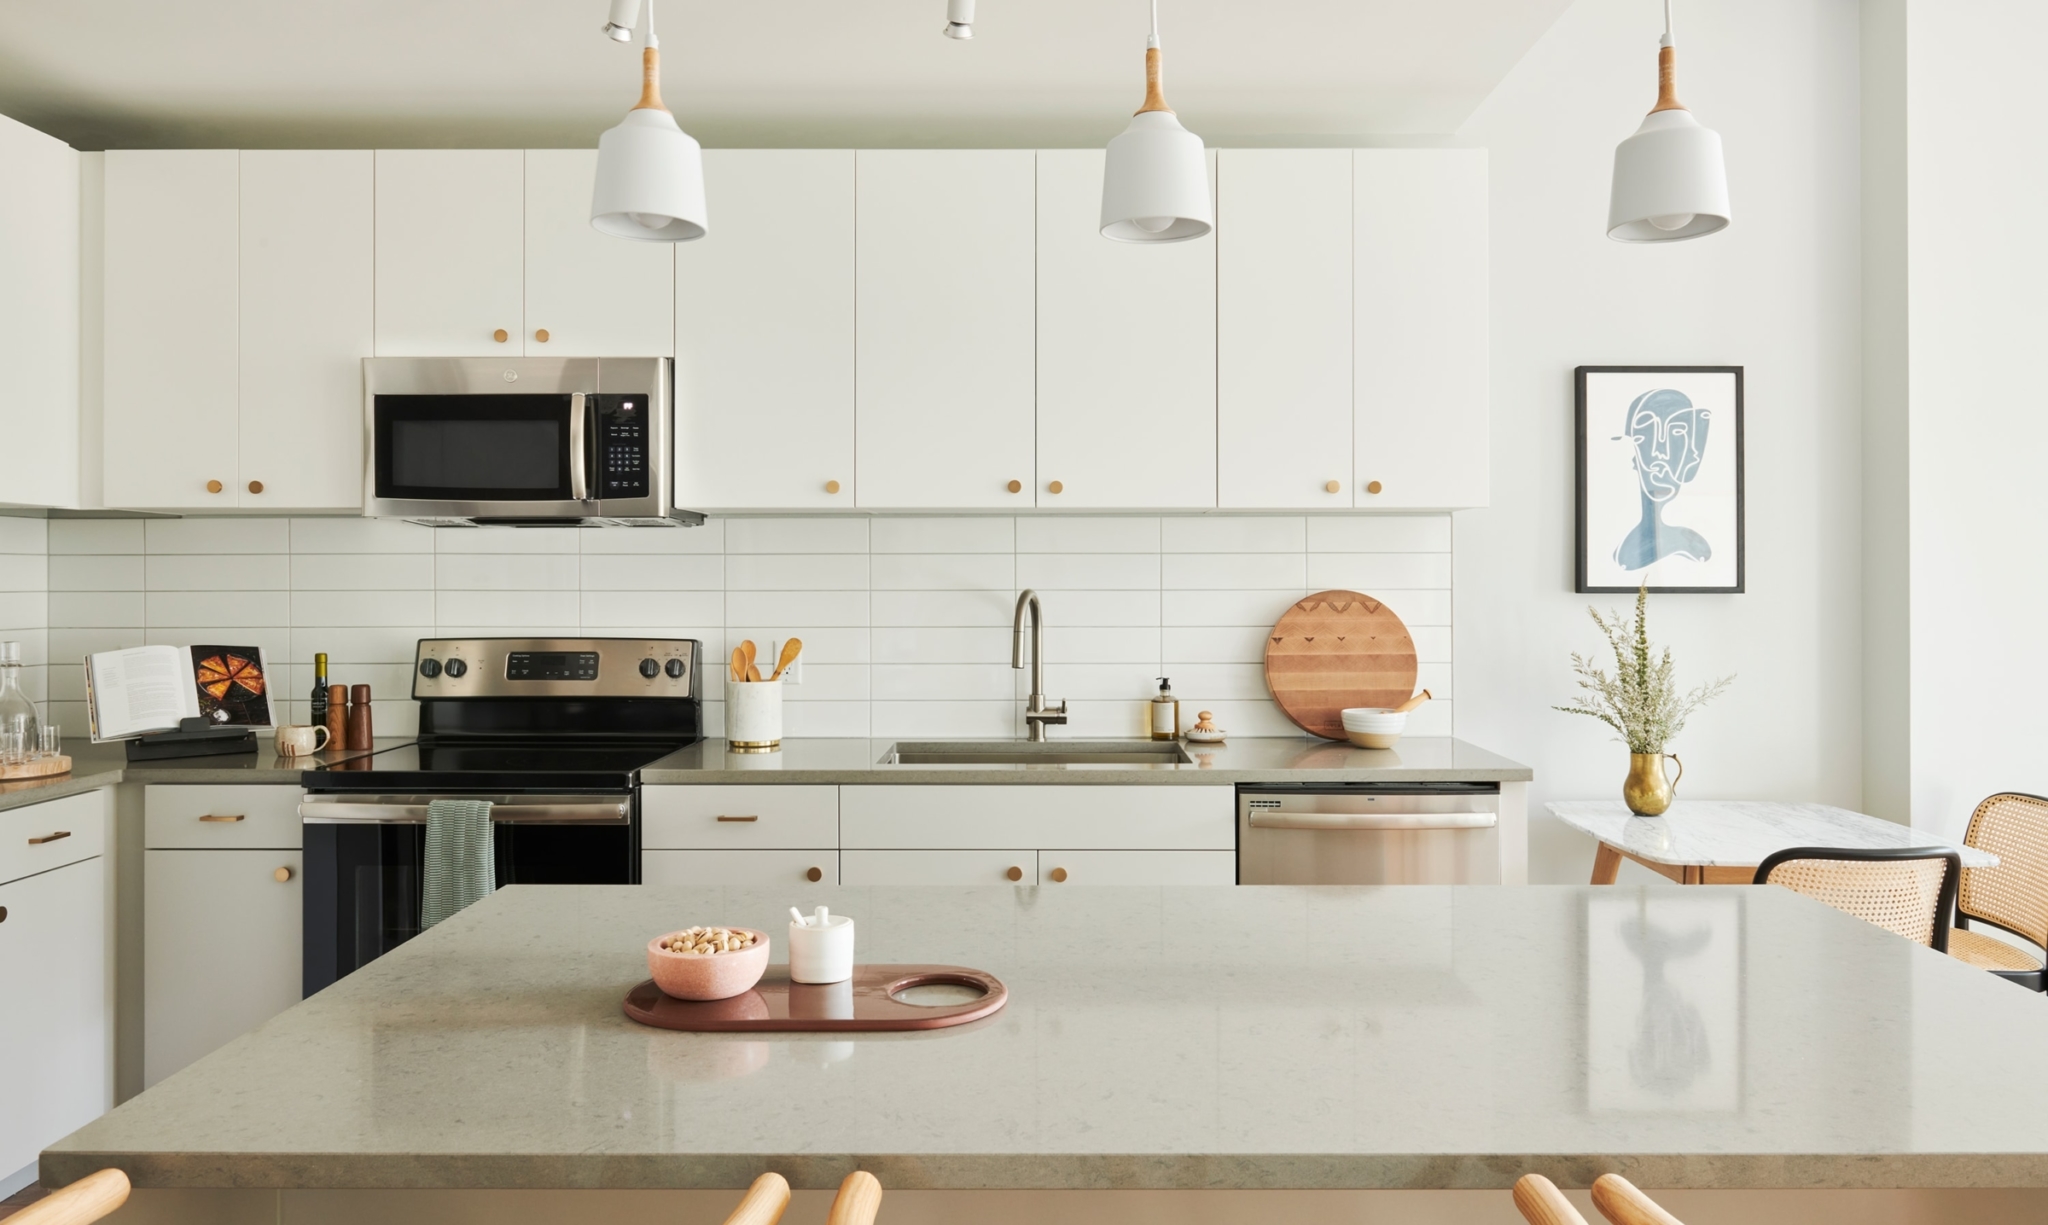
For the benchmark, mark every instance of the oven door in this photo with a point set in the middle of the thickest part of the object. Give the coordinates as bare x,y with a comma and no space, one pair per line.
365,859
520,440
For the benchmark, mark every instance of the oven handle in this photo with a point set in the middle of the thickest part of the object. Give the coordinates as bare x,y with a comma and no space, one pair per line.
607,812
579,480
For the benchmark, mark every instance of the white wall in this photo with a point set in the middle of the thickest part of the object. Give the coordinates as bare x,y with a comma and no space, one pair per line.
1977,176
906,621
24,579
1777,292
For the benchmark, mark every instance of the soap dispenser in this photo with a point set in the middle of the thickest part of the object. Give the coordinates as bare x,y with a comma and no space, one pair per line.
1165,713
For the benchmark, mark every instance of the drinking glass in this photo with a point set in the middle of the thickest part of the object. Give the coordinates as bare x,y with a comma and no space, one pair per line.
52,738
13,750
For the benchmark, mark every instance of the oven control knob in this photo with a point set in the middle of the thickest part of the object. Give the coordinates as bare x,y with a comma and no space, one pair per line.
455,667
675,669
430,668
650,668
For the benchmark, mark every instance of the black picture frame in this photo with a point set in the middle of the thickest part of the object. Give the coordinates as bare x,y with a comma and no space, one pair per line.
1582,551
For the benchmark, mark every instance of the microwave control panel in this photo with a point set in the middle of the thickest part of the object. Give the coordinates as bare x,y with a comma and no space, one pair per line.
622,445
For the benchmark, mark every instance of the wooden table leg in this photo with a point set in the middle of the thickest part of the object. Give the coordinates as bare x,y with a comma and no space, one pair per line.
1606,865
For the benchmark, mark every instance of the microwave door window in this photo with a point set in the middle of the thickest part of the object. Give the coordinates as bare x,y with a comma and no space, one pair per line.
473,448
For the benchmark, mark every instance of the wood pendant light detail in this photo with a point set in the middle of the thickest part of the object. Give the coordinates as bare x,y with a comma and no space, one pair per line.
1155,92
1667,81
650,81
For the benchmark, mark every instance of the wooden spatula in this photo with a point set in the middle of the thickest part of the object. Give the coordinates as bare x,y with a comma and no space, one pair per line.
1412,703
789,653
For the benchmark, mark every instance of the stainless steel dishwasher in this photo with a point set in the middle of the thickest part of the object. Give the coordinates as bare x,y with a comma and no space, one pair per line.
1368,834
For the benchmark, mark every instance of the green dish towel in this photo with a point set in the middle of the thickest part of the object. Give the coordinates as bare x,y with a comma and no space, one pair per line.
461,867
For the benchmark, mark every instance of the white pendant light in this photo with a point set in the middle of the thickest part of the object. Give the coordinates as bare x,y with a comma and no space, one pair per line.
1669,179
650,174
1155,176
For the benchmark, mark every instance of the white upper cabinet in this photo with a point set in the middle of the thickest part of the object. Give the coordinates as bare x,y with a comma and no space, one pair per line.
1283,328
944,351
1126,354
764,334
589,294
1421,349
38,316
171,334
450,252
308,317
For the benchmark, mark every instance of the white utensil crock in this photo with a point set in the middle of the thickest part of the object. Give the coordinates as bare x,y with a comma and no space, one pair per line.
753,714
821,954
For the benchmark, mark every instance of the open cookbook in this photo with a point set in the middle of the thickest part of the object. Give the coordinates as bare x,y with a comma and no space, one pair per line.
152,689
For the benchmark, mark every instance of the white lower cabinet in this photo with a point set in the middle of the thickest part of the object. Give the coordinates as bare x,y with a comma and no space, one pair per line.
221,950
974,867
741,869
1127,818
57,1073
1062,868
221,944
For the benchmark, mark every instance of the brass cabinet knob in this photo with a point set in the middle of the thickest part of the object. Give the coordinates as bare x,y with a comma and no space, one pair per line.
1059,875
815,875
501,335
1015,873
1054,487
1332,486
3,914
540,334
255,486
1015,487
281,875
1373,486
214,487
831,486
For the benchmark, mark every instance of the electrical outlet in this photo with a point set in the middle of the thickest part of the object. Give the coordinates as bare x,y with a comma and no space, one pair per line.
793,674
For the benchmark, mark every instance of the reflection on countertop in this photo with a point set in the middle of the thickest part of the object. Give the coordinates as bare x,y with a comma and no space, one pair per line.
102,765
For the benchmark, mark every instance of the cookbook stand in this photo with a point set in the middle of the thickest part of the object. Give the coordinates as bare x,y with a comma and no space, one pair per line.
195,737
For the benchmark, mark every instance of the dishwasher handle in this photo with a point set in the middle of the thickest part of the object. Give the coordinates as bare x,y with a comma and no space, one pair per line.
1266,818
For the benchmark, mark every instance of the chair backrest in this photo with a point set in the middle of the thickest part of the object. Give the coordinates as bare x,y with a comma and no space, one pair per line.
1909,890
88,1199
2013,895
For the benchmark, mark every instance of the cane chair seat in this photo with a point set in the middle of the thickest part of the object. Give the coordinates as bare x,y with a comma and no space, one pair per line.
2013,895
1990,953
1907,892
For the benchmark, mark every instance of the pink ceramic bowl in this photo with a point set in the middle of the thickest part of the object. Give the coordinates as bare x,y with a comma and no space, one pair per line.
707,976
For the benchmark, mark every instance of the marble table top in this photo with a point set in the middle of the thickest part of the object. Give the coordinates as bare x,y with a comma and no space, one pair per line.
1194,1038
1743,833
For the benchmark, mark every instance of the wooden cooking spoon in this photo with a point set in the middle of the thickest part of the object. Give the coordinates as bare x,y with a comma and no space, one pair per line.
747,655
739,664
789,651
1412,703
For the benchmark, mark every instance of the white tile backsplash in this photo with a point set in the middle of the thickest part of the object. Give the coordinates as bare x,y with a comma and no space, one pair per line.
906,621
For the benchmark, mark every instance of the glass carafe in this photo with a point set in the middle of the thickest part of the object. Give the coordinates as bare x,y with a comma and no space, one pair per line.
17,713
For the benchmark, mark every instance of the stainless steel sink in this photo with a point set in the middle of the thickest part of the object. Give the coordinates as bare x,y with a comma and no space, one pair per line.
1027,753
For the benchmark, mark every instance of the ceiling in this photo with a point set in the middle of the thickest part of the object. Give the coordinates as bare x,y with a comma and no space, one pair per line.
394,73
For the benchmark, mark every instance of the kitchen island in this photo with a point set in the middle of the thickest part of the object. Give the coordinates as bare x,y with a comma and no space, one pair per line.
1171,1040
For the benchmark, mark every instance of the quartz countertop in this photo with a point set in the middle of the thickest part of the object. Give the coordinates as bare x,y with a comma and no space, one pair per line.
1259,1037
1250,759
102,765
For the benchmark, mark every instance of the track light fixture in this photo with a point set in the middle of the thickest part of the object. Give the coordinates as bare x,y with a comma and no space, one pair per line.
959,19
625,15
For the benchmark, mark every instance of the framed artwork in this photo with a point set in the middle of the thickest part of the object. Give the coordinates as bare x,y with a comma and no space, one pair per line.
1660,478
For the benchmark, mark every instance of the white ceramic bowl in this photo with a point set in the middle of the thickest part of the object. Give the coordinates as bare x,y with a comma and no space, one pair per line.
1367,719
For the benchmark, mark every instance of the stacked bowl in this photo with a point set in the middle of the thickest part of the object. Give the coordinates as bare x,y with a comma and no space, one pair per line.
1370,727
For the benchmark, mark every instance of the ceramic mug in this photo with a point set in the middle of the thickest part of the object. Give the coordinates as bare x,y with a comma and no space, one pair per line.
303,740
821,954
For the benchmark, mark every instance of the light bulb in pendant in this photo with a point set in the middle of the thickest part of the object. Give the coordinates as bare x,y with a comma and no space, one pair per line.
1152,225
1673,221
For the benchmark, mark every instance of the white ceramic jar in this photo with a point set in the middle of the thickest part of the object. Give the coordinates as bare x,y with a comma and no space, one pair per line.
821,954
753,714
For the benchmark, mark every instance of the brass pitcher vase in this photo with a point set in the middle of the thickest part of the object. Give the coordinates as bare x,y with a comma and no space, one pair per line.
1647,791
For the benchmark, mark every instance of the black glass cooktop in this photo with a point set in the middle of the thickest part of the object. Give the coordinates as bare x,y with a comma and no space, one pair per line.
514,765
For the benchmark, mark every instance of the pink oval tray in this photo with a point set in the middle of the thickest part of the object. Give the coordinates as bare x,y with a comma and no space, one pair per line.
866,1003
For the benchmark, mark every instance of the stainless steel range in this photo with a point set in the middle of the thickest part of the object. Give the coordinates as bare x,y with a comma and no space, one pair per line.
553,731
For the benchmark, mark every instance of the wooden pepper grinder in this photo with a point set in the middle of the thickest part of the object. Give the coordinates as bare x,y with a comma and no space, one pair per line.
359,733
337,716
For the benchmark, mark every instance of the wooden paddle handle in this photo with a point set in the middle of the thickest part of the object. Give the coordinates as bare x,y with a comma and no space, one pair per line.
88,1199
1412,703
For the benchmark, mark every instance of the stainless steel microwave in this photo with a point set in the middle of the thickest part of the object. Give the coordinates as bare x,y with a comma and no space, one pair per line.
520,441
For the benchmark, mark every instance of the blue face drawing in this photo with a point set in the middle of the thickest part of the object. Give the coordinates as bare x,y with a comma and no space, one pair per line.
1670,437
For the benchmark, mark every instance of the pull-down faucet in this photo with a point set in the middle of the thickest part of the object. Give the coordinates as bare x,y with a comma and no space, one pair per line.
1036,713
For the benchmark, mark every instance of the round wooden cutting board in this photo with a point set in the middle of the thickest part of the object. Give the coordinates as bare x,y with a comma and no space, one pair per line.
1338,649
